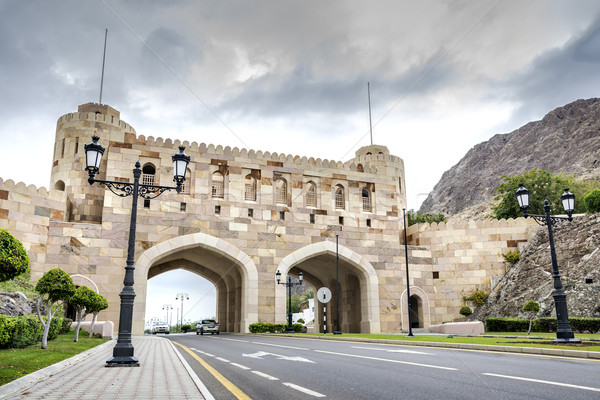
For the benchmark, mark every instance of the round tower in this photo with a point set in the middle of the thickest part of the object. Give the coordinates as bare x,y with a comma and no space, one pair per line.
73,131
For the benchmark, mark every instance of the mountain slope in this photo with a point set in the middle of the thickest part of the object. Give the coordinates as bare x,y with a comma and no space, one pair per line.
566,140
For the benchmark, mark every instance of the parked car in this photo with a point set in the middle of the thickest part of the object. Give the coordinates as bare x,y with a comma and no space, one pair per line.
207,325
160,327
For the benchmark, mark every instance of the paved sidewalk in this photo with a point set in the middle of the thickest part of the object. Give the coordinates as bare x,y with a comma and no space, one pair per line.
163,374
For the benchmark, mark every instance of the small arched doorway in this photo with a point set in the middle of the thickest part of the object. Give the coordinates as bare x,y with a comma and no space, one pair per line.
416,309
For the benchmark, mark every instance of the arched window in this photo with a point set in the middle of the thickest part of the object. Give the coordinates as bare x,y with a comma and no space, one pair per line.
187,184
148,174
366,199
311,195
249,188
339,197
217,185
59,185
360,168
281,191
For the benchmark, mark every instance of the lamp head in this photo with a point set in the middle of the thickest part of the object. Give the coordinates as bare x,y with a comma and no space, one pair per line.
93,156
278,276
568,202
523,198
300,277
180,163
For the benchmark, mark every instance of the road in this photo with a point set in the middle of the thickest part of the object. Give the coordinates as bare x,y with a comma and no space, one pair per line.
267,367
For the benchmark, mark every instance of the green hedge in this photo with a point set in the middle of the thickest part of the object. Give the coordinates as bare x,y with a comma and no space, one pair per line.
262,327
580,325
21,331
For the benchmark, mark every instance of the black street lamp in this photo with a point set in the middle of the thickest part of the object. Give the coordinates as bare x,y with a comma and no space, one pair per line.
337,331
564,332
123,350
289,284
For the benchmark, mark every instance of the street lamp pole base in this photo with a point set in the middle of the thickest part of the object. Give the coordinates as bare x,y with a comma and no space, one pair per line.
337,332
569,340
122,362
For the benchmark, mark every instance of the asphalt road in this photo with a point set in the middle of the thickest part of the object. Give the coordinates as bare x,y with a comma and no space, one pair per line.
266,367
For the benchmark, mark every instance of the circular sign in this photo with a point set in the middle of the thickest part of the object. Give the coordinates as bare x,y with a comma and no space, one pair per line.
324,295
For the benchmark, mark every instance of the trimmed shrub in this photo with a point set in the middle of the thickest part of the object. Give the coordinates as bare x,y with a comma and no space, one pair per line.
506,324
592,201
263,327
21,331
13,257
546,324
466,311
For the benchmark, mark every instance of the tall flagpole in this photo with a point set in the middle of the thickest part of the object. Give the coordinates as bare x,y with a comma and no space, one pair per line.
370,123
103,59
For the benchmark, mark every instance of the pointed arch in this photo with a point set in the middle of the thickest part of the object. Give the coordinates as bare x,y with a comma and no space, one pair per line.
421,295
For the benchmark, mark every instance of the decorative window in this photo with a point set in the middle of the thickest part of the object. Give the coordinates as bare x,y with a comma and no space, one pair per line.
339,197
366,199
148,174
311,195
217,185
250,188
280,191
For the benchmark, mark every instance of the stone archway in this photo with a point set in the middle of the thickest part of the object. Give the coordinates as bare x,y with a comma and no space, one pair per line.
235,280
419,297
359,284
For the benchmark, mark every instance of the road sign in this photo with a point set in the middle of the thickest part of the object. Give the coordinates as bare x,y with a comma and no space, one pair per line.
324,295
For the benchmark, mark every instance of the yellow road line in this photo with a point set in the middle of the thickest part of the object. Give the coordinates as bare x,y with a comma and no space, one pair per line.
237,392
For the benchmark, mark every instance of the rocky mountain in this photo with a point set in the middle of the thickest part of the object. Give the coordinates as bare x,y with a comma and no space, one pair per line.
566,140
577,246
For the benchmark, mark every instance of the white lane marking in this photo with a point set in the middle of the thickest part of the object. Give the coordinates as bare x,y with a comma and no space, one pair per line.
260,354
387,360
237,340
240,366
207,354
545,382
222,359
391,350
279,345
269,377
304,390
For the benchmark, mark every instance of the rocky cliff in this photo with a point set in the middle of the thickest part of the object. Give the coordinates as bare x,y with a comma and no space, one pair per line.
566,140
577,246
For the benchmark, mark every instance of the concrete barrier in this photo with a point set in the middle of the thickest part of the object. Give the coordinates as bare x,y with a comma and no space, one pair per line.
460,328
104,328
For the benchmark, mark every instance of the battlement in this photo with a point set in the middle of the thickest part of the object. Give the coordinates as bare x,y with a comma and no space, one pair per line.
23,188
466,225
96,116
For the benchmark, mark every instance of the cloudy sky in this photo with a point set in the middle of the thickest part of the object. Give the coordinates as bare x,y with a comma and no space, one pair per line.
291,76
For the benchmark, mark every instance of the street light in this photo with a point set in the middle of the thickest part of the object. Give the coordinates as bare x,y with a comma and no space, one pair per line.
183,296
168,307
289,284
338,331
564,332
123,350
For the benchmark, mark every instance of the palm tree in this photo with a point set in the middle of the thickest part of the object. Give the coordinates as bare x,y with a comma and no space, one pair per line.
304,297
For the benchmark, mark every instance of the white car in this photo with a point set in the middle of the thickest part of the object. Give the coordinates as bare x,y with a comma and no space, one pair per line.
207,325
160,327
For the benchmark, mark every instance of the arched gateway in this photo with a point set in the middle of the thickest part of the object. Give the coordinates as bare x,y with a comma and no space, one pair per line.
233,273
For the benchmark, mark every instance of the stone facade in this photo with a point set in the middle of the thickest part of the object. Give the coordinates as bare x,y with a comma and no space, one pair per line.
243,215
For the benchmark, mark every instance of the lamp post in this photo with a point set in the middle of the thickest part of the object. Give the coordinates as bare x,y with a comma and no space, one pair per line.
168,307
564,332
123,350
407,278
289,284
337,331
183,296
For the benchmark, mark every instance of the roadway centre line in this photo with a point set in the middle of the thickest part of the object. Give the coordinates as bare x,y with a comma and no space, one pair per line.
304,390
236,340
279,345
222,359
262,374
240,366
545,382
387,360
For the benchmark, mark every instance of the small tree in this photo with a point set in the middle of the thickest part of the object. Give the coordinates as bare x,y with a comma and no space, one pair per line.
82,300
13,257
532,308
55,287
592,201
466,311
99,304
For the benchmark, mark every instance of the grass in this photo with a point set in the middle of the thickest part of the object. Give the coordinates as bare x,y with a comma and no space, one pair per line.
16,363
521,341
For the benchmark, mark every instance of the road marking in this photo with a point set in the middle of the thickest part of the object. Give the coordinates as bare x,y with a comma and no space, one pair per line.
237,340
391,351
240,366
237,392
269,377
208,354
260,354
304,390
546,382
279,345
387,360
222,359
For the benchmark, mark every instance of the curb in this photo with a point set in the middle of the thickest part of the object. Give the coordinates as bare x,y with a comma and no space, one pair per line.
591,355
28,380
